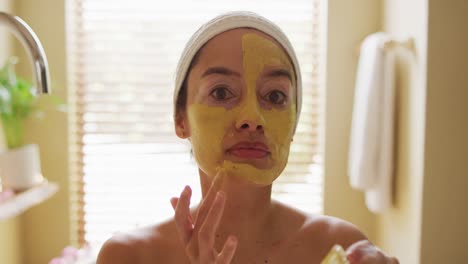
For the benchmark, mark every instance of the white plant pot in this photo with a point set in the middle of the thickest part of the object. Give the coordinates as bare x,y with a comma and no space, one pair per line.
20,168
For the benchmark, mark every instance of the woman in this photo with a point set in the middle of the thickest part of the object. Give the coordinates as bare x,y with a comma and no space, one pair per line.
237,100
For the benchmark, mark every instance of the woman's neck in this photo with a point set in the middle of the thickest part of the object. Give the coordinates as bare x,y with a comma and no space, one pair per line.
247,211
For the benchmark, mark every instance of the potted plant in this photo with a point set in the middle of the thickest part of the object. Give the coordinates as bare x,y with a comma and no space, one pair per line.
19,164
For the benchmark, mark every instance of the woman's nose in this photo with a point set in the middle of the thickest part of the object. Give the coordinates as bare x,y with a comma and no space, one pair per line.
250,120
249,125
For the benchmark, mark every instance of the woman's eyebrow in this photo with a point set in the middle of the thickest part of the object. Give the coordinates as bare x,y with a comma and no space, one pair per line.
279,73
219,70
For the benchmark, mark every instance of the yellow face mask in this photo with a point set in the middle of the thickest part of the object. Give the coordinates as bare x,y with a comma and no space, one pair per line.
209,125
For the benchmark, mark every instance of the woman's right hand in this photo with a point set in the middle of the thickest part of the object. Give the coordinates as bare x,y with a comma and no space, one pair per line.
199,236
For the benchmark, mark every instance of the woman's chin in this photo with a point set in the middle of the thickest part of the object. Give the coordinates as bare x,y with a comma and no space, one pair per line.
251,172
261,162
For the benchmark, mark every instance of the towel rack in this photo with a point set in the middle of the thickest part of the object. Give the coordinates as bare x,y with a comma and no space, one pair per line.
392,43
407,44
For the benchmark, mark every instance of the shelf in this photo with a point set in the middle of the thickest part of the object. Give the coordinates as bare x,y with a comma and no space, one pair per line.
21,202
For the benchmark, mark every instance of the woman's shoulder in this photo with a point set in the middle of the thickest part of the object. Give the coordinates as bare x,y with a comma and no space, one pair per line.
334,227
333,230
141,245
325,228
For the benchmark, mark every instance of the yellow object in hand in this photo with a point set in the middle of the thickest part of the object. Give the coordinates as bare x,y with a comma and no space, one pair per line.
337,255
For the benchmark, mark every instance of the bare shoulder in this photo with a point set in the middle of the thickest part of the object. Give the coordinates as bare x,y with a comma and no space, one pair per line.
333,230
311,236
119,250
142,245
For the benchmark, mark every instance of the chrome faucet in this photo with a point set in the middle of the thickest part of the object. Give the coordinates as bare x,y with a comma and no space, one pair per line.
34,49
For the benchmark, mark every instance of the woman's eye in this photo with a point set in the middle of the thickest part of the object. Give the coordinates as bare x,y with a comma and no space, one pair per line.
276,97
221,94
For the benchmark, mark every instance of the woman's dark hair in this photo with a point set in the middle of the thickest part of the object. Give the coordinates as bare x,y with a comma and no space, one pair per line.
181,102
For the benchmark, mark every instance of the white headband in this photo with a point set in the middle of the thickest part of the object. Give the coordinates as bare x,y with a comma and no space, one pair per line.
225,22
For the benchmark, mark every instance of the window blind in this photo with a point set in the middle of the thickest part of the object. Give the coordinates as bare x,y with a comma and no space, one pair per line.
126,160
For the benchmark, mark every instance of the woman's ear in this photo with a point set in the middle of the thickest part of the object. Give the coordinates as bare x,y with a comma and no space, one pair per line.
181,126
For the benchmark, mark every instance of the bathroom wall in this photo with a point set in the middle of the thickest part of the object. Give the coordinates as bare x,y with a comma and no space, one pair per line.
5,34
399,229
10,241
348,23
444,234
10,229
46,228
428,223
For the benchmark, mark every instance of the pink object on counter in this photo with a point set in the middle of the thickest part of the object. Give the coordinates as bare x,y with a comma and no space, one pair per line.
6,194
57,261
70,252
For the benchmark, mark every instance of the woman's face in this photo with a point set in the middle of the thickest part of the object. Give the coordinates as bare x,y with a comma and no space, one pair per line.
241,108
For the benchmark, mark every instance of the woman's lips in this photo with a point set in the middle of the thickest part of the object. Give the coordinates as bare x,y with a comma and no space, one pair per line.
248,150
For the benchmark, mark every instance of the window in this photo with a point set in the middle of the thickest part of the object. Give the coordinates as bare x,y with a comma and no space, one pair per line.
127,160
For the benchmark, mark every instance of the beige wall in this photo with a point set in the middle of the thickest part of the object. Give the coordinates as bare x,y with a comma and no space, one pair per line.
45,228
10,241
445,204
6,48
348,23
5,34
399,229
428,223
10,229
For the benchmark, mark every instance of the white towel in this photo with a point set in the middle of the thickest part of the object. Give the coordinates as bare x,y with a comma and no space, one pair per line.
370,165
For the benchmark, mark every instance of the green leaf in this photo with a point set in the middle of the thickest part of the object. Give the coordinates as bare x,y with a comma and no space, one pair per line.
18,101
